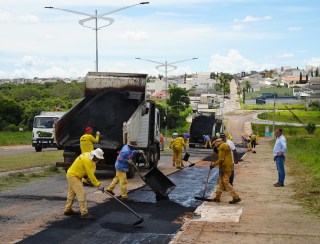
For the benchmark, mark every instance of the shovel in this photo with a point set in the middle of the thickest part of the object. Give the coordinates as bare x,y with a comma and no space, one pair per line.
186,159
203,198
115,198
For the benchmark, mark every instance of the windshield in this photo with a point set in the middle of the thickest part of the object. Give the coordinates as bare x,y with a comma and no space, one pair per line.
44,122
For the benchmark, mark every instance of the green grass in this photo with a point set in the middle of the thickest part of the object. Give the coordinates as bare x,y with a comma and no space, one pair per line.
16,179
15,138
288,131
304,161
29,160
285,116
300,106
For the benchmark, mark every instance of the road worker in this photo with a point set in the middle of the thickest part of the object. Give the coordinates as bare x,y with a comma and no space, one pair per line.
229,136
84,164
86,145
253,140
225,167
122,167
207,141
234,155
176,145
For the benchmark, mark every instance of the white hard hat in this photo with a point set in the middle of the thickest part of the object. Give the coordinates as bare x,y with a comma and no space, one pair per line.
98,153
175,134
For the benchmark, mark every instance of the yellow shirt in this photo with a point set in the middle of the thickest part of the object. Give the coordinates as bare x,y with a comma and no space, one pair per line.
83,166
86,142
177,143
225,159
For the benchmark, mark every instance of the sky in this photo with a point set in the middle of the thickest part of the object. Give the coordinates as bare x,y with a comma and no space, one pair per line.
225,35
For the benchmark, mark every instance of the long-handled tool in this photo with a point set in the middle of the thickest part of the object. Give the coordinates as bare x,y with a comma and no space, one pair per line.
115,198
203,198
186,159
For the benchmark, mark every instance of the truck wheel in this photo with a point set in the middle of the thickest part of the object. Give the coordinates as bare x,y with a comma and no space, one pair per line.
154,160
131,172
38,149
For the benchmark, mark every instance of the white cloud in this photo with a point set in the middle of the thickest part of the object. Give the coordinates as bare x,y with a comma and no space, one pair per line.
2,74
134,35
4,16
286,55
33,61
29,18
234,62
238,27
313,61
249,19
294,28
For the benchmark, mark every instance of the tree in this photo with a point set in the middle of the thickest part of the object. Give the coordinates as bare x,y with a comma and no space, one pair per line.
300,79
247,85
179,98
310,127
10,113
307,78
317,72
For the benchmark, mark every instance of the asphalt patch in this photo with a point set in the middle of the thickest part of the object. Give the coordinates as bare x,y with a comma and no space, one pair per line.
162,219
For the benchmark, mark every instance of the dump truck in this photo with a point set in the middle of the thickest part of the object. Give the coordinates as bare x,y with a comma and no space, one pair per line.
203,123
114,104
43,130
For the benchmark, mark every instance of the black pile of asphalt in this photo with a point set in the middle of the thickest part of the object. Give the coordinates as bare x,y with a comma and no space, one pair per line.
162,219
105,113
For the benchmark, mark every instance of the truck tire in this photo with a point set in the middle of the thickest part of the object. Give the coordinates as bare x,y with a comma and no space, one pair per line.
38,149
131,172
154,160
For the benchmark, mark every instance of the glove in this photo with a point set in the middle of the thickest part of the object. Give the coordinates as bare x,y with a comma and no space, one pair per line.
130,162
141,151
211,166
98,133
101,188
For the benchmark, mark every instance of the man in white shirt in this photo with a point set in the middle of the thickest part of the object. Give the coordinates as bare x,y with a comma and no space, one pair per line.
279,154
234,155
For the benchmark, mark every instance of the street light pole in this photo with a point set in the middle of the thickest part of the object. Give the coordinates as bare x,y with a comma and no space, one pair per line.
165,65
96,17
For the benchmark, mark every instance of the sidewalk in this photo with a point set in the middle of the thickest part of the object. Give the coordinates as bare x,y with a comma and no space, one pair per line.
266,214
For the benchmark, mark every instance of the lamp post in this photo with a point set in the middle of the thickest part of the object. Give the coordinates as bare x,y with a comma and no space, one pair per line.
173,67
96,17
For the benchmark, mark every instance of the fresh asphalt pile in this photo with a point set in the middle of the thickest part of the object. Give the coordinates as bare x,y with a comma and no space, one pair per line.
162,219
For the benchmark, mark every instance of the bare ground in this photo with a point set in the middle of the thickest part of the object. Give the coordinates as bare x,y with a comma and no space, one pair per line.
270,214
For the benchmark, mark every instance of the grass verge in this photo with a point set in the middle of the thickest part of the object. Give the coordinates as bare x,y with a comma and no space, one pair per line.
303,158
15,138
29,160
16,179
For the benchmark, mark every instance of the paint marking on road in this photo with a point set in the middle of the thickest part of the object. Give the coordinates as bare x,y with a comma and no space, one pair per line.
161,164
222,214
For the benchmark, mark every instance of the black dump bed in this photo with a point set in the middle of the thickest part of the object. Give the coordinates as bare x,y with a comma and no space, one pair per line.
104,112
201,125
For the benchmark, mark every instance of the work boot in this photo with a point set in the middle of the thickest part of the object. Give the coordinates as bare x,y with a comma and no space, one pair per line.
278,185
235,200
70,212
111,192
216,199
88,216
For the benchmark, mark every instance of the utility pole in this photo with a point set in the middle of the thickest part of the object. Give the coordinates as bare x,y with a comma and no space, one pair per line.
274,111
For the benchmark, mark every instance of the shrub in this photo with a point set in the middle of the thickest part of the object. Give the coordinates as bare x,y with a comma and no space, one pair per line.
11,127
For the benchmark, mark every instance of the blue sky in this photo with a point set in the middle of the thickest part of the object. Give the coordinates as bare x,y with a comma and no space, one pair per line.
225,36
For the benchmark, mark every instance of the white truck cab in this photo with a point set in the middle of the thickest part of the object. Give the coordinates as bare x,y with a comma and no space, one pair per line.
43,130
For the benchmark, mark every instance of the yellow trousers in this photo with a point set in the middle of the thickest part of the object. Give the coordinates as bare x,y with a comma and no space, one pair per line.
122,178
76,189
177,158
223,183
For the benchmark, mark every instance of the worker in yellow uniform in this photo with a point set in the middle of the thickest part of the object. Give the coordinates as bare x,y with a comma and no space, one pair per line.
86,145
253,140
84,164
176,145
225,167
229,136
